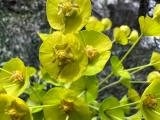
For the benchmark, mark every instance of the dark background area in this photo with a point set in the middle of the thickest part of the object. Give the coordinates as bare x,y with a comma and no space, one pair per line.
20,20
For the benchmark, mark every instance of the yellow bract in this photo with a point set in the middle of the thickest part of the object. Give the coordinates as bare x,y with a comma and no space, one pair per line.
68,15
13,108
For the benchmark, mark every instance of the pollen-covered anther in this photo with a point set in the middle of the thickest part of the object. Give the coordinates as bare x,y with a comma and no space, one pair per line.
150,102
17,76
67,8
91,52
67,106
63,54
13,113
64,58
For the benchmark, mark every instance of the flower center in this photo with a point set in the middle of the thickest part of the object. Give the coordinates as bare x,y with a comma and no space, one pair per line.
17,76
63,54
67,106
14,113
150,101
67,8
91,52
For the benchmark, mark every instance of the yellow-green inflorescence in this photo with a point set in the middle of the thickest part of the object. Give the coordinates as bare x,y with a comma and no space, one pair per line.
68,57
68,15
14,76
65,103
13,108
63,57
150,101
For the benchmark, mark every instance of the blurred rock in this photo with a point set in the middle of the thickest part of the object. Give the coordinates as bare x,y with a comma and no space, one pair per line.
20,20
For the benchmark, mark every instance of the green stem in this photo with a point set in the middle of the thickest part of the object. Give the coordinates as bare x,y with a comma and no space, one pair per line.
138,70
131,48
121,106
82,93
105,79
94,107
117,82
110,85
41,106
50,30
139,82
1,69
156,112
143,67
139,67
67,117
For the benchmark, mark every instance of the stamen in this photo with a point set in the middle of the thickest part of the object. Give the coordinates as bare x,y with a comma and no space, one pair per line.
91,52
63,54
150,101
17,76
67,8
67,106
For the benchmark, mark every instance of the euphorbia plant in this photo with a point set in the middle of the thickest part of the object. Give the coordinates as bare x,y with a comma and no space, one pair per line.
70,60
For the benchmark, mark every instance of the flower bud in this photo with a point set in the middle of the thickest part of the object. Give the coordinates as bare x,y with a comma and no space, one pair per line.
92,19
133,36
107,23
125,29
153,76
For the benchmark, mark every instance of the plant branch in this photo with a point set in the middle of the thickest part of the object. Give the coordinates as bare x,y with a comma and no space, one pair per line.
105,79
110,85
117,82
94,107
121,106
139,82
131,48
